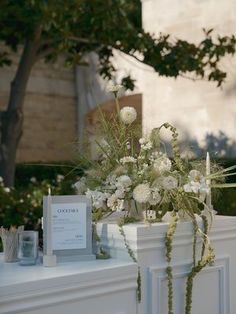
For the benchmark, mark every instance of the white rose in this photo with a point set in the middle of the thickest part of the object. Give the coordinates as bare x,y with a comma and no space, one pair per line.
142,193
128,115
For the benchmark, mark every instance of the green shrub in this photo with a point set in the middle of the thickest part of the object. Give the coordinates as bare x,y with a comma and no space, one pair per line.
22,205
225,201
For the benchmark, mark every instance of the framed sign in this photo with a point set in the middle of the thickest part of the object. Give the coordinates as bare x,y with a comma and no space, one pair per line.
67,227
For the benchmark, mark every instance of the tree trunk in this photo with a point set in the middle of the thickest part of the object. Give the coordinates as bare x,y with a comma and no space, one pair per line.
11,120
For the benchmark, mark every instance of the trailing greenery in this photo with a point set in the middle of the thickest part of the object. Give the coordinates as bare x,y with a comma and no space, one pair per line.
131,254
168,245
203,262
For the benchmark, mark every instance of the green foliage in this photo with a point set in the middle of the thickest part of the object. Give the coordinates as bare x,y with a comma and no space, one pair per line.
76,27
22,205
224,200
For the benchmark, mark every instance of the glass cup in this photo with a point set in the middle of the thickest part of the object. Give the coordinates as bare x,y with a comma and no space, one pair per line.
28,248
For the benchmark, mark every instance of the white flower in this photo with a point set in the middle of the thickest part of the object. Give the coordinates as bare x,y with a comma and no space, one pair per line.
98,198
33,180
147,146
127,159
169,183
142,141
81,186
195,175
155,196
142,193
60,178
7,190
120,193
187,188
145,143
110,182
128,115
114,203
162,164
114,88
197,183
128,145
123,182
197,187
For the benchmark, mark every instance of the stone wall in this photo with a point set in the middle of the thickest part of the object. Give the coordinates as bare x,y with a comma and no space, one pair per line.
205,114
50,129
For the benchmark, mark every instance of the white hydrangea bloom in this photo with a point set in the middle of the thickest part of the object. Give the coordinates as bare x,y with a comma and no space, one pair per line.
120,193
123,181
127,159
142,193
169,183
197,187
98,198
162,164
114,203
128,115
197,183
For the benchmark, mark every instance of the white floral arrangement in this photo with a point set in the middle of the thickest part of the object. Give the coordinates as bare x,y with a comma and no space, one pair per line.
137,173
135,177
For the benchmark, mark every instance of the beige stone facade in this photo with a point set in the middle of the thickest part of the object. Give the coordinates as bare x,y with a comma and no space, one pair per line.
199,109
50,114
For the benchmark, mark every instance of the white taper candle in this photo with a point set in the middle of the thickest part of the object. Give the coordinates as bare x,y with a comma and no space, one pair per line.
208,181
49,223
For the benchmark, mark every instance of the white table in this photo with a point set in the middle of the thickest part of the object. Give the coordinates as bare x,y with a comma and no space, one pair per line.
214,288
101,287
